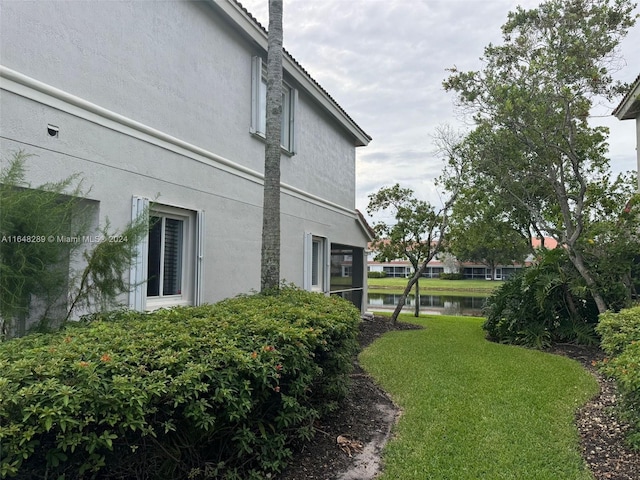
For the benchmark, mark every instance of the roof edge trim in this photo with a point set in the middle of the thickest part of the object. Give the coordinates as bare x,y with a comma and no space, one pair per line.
630,104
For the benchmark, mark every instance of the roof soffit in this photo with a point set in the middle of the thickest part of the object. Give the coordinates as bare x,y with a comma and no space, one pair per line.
629,107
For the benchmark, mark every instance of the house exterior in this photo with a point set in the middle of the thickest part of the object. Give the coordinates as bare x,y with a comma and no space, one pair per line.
447,263
160,105
438,266
629,109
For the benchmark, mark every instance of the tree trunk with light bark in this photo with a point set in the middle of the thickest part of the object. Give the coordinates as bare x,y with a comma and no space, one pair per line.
270,258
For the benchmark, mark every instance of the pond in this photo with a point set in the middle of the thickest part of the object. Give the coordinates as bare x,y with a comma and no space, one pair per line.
433,304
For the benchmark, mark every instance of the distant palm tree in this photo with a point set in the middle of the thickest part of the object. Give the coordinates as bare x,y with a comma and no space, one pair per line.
270,264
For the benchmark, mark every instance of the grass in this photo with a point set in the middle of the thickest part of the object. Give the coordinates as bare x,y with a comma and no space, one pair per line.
478,410
442,287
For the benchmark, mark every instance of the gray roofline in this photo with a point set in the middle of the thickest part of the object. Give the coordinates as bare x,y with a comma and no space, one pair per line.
364,225
252,29
629,107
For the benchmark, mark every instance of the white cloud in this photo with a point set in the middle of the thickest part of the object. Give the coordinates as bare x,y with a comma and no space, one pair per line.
384,62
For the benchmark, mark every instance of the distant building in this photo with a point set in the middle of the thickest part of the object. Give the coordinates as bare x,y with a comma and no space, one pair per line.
445,263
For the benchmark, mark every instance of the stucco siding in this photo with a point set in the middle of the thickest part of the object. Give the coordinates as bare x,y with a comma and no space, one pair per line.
153,99
171,65
115,167
176,67
325,162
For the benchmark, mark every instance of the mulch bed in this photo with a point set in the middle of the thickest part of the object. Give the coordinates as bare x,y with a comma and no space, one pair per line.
364,417
602,436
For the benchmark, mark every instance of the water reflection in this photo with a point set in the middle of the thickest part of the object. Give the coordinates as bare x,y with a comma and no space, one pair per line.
443,304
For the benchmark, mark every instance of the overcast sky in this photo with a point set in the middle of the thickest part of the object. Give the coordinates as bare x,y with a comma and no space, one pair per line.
384,62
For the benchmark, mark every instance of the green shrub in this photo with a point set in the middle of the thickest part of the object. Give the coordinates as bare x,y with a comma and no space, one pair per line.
542,304
621,341
451,276
376,274
619,330
217,391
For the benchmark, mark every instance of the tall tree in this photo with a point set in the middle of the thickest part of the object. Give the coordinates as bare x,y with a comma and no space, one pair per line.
410,236
270,263
531,102
418,231
482,233
42,231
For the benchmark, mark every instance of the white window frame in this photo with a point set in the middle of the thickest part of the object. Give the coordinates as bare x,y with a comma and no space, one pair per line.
185,258
498,275
258,107
488,274
191,258
321,263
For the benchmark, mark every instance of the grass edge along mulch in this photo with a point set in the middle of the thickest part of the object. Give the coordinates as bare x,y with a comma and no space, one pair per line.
473,409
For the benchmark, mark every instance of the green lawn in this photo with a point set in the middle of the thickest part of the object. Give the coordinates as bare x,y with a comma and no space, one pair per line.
478,410
469,287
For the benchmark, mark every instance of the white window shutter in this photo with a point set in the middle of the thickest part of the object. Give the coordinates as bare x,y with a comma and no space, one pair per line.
256,79
138,272
327,267
306,261
293,142
198,287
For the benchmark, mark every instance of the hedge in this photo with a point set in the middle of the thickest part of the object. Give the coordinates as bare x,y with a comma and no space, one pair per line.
376,274
621,341
451,276
216,391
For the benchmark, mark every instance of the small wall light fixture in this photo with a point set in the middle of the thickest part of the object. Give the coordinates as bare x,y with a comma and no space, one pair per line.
52,130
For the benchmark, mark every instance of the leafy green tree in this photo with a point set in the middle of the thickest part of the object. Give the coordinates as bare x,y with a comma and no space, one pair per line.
481,233
41,236
107,264
33,263
611,243
531,103
550,302
270,257
418,230
414,234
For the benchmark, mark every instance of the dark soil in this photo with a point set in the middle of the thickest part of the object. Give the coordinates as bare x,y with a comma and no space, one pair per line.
602,436
367,415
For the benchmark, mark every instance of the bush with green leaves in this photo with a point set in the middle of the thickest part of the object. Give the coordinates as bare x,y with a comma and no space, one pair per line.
216,391
377,274
544,303
621,341
451,276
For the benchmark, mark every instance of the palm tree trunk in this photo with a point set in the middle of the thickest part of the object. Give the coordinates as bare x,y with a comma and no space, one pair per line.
270,259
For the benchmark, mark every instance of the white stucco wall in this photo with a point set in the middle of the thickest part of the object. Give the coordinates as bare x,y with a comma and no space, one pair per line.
180,78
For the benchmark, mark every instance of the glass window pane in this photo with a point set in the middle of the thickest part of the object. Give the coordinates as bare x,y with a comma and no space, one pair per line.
153,264
172,281
284,126
315,258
